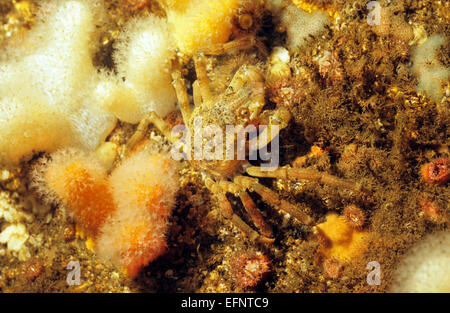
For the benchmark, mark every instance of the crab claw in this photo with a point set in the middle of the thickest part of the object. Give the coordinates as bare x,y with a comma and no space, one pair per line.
255,107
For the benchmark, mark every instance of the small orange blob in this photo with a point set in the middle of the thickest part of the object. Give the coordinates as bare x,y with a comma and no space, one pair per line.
436,172
332,268
316,151
431,210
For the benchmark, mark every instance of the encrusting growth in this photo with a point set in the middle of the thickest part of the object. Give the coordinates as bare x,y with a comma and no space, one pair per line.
431,74
126,213
425,266
339,240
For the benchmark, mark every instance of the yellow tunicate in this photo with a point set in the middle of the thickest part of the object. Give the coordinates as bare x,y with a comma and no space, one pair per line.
199,23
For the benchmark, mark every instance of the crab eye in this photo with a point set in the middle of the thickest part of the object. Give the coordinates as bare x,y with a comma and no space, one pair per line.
244,113
245,21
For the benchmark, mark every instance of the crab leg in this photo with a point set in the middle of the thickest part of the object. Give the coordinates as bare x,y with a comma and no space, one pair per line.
151,118
307,174
225,206
182,96
202,78
255,214
249,205
138,134
280,118
196,93
243,43
272,198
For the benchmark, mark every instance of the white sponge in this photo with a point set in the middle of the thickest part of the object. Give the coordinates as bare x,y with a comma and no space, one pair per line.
426,267
428,69
143,84
44,87
299,24
51,94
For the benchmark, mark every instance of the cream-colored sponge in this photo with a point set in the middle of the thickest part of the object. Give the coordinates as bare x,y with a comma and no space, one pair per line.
142,56
197,24
51,94
299,24
431,74
44,86
426,266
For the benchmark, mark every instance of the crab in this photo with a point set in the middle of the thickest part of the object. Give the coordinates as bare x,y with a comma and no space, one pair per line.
242,103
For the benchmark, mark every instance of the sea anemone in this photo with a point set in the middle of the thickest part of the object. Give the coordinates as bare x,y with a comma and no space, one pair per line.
355,216
144,188
66,101
250,268
77,180
298,23
332,268
142,55
52,107
436,172
126,214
